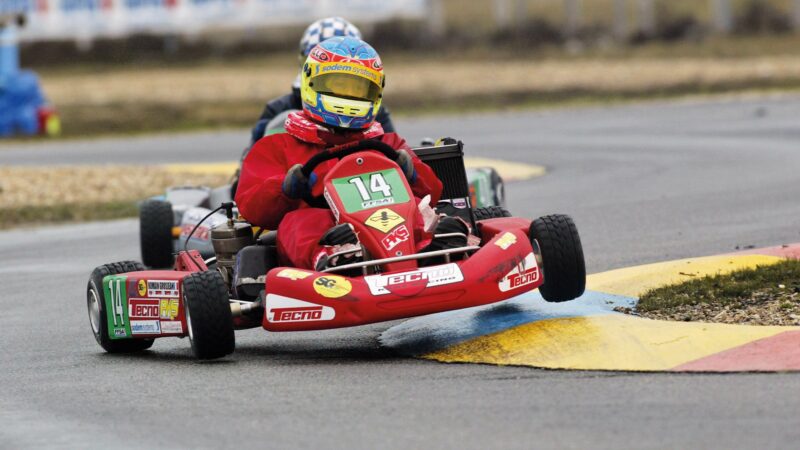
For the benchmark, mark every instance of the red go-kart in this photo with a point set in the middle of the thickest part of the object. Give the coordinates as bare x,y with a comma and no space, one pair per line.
244,286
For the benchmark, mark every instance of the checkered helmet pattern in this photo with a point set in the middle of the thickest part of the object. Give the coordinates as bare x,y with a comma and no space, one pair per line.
325,29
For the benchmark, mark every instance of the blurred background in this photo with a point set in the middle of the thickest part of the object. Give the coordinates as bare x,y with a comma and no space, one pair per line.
88,68
112,66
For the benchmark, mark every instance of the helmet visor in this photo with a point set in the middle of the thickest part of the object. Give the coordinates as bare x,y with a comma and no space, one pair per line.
346,86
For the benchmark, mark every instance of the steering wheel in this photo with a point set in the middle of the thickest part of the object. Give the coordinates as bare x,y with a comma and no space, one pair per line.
340,152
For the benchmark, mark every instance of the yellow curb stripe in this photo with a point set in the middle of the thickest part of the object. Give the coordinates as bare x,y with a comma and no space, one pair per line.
218,168
510,171
604,342
635,281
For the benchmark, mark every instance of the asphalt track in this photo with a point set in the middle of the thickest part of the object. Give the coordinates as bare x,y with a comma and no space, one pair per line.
644,183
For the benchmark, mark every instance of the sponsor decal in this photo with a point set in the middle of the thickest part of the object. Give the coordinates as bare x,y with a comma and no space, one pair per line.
141,287
319,54
523,274
162,288
282,309
331,204
506,240
202,233
294,274
175,327
371,190
460,203
116,300
145,327
143,308
384,220
393,239
168,308
332,286
413,282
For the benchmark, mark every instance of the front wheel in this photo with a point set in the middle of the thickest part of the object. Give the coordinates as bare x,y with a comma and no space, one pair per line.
98,317
208,315
563,268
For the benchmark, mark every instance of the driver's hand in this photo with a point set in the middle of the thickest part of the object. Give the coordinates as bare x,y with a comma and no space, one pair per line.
295,184
406,162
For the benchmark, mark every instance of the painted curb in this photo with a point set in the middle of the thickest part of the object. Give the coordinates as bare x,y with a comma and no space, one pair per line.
509,170
586,334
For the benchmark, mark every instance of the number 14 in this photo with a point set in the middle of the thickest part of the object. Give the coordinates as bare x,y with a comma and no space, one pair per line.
376,184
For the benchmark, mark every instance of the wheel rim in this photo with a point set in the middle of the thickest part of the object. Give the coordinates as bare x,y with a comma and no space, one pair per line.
537,253
94,311
188,320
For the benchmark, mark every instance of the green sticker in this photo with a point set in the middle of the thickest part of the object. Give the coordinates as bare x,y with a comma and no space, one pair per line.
371,190
115,293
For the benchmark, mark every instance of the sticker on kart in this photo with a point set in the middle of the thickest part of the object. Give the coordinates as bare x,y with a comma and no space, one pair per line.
413,282
523,274
281,309
370,190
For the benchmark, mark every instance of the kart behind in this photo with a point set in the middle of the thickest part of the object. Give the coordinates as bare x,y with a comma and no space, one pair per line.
129,306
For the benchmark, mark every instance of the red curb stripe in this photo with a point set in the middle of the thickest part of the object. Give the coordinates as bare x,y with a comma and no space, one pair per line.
773,354
783,251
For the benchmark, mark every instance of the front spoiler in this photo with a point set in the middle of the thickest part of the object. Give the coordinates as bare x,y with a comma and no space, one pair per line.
300,300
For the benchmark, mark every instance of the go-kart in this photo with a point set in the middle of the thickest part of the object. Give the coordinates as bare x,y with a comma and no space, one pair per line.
504,257
166,220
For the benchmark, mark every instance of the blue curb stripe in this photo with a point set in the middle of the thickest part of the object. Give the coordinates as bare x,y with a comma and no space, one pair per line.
435,332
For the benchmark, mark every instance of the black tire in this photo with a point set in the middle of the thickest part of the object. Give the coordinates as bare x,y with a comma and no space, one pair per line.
498,188
208,315
562,257
98,319
155,233
490,212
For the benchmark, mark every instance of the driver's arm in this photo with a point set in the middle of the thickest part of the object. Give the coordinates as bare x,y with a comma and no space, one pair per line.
259,196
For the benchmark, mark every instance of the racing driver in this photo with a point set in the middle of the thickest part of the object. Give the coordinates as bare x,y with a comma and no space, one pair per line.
315,33
341,88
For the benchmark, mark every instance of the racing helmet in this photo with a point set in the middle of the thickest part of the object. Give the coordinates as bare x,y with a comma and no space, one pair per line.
342,83
323,29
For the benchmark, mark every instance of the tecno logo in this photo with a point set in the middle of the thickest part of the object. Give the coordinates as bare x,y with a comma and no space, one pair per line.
521,279
296,314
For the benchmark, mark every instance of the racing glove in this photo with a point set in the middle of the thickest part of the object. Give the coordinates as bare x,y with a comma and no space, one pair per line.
295,184
406,162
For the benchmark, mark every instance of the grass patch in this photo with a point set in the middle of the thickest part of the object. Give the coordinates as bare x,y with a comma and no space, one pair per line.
79,212
147,117
765,295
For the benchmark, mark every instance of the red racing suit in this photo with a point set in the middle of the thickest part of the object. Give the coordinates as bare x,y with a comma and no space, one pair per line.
261,200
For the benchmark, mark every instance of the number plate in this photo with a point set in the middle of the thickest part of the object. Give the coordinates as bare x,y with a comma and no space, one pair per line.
371,190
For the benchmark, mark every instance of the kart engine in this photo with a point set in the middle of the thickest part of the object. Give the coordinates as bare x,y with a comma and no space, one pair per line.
228,239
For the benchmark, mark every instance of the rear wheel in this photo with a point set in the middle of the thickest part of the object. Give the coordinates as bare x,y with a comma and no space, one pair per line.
208,315
98,318
490,212
155,233
562,257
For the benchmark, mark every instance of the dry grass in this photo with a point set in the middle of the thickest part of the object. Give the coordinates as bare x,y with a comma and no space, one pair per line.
765,295
22,187
256,83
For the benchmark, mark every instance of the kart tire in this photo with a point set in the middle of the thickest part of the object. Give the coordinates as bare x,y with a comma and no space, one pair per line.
490,212
563,266
208,315
155,233
498,188
98,318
